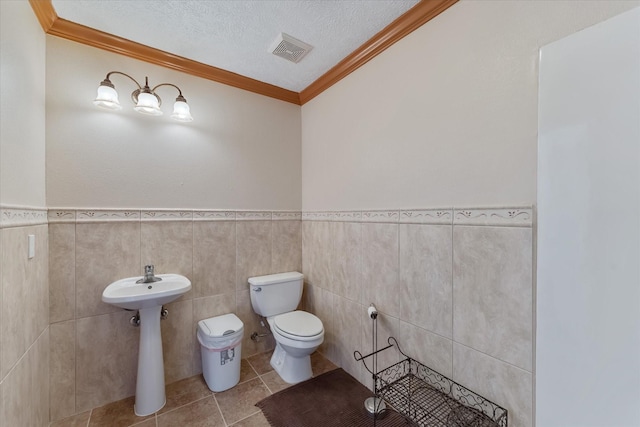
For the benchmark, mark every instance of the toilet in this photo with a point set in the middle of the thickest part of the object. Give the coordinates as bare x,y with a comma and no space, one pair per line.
297,333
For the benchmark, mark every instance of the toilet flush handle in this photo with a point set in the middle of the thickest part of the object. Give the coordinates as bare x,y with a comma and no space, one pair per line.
257,289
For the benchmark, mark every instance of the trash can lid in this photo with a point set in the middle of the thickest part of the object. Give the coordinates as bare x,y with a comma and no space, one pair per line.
220,326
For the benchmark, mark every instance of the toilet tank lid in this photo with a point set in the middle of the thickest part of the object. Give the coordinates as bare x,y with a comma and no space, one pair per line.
275,278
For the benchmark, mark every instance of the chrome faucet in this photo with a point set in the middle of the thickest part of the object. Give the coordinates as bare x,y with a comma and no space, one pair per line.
149,276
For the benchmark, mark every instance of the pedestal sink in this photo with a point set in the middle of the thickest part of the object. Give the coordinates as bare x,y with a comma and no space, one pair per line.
148,298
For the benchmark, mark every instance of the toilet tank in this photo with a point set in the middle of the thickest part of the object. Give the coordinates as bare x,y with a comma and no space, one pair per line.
275,293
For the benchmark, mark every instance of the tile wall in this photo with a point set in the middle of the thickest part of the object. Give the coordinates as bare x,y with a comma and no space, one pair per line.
93,347
24,319
454,286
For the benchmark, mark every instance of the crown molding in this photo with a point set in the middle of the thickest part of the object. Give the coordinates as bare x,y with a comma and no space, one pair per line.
415,17
45,13
411,20
56,26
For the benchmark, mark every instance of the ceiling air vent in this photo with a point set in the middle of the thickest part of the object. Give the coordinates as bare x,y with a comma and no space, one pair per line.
289,48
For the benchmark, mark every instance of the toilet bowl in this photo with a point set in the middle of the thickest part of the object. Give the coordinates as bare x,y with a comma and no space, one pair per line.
296,332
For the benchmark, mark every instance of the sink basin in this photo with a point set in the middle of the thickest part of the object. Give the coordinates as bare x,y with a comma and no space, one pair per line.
126,293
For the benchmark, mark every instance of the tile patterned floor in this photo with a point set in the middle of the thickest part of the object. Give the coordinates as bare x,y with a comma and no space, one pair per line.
190,403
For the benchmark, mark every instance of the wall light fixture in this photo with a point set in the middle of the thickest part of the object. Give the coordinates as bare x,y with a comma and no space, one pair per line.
146,100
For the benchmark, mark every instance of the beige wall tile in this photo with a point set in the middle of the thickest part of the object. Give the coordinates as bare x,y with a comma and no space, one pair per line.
106,359
316,249
39,286
380,267
287,246
253,251
346,259
348,321
502,383
105,252
214,258
307,250
493,292
217,305
425,277
25,397
63,369
17,390
178,341
1,328
39,398
426,347
204,308
251,322
62,269
320,302
25,291
168,246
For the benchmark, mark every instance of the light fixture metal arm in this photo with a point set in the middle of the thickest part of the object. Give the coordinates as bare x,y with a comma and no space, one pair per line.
107,80
180,97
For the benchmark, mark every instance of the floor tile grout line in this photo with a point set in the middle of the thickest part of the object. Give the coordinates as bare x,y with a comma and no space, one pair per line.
265,384
215,399
242,419
186,404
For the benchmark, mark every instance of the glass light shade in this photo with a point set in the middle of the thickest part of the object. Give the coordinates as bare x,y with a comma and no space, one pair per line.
148,104
107,98
181,112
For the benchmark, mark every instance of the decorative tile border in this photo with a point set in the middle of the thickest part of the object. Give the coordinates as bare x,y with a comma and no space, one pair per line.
494,216
348,216
427,216
104,215
67,215
318,216
286,215
166,215
15,216
62,216
505,217
253,215
381,216
214,215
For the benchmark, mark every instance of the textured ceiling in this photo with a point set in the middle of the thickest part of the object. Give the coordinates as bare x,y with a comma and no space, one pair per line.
235,35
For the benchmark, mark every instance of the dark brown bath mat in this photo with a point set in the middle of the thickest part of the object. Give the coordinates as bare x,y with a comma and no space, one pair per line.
333,399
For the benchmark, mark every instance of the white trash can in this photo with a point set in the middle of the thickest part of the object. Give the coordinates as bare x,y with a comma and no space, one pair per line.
220,341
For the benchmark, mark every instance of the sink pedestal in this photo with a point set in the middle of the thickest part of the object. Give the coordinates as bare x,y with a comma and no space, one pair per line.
150,393
134,293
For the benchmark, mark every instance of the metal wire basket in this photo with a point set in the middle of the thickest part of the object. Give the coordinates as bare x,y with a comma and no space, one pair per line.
428,398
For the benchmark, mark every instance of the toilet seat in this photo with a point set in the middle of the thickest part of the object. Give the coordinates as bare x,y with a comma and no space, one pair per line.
298,325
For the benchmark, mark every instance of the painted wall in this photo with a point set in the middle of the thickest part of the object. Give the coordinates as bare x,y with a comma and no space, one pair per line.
589,228
24,286
242,151
22,107
445,117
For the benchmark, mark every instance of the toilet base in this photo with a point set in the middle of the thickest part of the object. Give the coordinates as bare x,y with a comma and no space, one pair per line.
291,369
